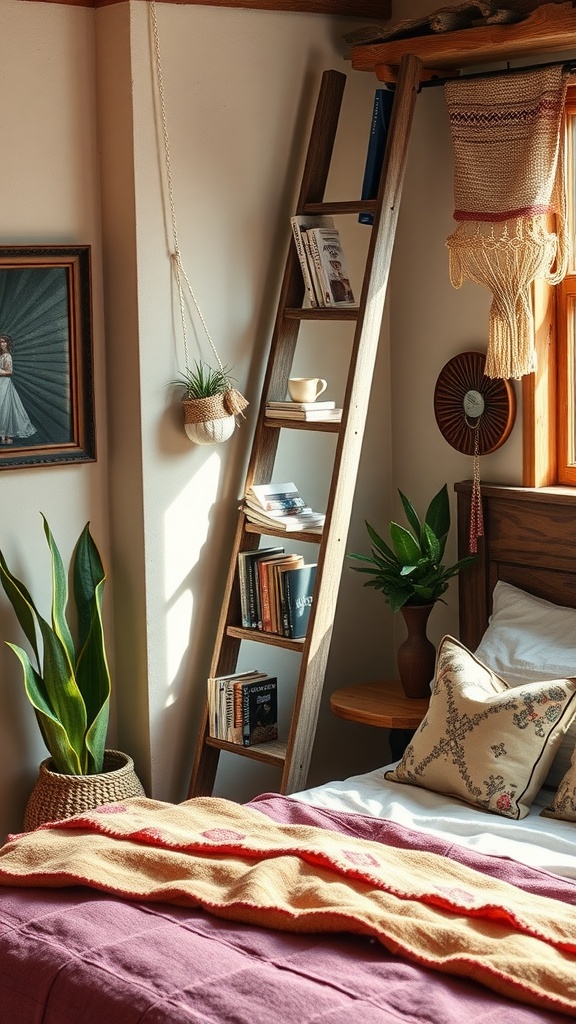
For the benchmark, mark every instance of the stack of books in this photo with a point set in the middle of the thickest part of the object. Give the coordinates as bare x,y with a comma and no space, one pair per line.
282,507
243,707
322,261
276,591
307,412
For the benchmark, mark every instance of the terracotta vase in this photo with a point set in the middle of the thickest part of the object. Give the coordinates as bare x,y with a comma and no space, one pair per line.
56,796
417,654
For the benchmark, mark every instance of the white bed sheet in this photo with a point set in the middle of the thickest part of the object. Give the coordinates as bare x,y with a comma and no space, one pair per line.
544,843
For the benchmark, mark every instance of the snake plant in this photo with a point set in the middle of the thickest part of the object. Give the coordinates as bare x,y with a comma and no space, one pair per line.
69,686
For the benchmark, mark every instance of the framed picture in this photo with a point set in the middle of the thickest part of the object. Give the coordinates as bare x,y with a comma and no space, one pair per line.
46,380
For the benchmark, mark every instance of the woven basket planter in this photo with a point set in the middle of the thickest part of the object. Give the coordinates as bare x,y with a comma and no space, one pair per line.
206,420
212,419
57,796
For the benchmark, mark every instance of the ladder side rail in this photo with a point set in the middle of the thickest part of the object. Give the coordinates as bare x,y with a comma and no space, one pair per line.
265,441
285,333
347,459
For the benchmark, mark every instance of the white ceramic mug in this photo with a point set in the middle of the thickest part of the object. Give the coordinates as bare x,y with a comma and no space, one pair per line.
306,389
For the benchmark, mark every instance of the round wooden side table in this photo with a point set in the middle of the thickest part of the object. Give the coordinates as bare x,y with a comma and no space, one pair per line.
385,705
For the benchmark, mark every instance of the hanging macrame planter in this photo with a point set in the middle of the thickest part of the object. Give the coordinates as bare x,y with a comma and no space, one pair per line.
211,405
212,420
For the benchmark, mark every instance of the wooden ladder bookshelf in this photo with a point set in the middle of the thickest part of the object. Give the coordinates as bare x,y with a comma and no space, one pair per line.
293,755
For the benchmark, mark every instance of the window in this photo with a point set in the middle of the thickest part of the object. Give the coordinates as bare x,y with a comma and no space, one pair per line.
566,317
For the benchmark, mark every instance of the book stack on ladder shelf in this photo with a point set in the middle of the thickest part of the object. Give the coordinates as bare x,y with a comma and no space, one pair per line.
281,507
243,707
322,261
276,591
306,412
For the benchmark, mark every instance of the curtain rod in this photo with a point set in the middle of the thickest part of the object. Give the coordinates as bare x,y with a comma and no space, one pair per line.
430,83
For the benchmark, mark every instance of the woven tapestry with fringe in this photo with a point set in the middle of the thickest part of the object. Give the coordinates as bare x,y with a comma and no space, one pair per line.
510,202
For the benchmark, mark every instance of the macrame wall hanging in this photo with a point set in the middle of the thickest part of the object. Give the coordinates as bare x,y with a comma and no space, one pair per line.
509,199
211,405
475,415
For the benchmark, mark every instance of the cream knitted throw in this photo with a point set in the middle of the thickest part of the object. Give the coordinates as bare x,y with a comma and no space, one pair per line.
509,200
239,865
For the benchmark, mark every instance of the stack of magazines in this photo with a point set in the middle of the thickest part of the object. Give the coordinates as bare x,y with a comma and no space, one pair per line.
280,506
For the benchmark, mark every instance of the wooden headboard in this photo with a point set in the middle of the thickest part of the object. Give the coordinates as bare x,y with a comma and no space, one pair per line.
529,541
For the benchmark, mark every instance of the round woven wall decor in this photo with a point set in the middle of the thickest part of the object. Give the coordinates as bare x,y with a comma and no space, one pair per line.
474,413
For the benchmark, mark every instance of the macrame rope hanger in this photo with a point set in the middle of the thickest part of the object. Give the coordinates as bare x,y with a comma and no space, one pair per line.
234,402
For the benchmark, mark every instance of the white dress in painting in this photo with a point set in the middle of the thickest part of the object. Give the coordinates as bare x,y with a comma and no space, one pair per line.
14,420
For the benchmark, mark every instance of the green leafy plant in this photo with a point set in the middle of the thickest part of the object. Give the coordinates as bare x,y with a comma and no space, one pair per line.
411,571
69,688
203,381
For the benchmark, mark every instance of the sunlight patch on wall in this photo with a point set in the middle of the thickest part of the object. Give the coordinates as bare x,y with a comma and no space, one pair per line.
178,621
186,525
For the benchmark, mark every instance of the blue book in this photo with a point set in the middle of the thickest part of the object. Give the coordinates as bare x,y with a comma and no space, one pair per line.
298,586
381,112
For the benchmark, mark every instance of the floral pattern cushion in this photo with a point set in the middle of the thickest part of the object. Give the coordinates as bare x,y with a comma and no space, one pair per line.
483,741
564,803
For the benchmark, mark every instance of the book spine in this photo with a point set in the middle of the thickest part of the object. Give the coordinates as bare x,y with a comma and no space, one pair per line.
263,496
251,587
264,588
319,268
288,604
260,712
376,145
244,592
286,631
316,286
303,261
229,710
210,685
272,504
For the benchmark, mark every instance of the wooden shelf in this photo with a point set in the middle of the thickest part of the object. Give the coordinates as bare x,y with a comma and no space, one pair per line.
335,209
328,426
551,28
344,8
383,704
269,531
260,636
273,753
321,313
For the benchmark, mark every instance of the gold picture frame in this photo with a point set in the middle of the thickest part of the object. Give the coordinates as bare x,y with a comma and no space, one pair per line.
46,369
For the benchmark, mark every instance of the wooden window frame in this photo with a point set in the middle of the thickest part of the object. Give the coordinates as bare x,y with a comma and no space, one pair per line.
545,392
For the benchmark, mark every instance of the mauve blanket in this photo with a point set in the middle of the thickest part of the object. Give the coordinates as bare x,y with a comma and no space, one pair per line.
77,955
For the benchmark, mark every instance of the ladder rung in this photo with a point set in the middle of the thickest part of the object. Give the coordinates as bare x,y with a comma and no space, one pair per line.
272,753
321,313
328,426
345,207
269,531
264,637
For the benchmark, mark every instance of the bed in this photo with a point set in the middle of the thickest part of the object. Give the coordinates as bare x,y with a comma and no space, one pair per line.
373,899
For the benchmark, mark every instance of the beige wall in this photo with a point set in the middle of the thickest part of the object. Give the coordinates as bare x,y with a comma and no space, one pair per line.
82,163
49,195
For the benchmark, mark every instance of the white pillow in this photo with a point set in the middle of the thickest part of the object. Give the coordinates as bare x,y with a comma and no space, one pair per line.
531,640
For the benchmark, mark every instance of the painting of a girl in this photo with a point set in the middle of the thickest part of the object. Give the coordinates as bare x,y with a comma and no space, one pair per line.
14,420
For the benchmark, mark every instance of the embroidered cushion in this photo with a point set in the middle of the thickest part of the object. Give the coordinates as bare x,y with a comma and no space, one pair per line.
530,639
564,803
482,741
